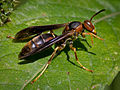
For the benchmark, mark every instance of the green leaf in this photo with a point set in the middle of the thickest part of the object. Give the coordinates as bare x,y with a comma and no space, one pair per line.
64,72
115,83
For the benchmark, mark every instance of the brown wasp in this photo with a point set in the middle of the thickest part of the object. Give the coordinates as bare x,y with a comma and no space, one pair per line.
41,41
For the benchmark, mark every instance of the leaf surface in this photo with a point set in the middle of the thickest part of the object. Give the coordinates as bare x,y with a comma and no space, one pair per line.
64,72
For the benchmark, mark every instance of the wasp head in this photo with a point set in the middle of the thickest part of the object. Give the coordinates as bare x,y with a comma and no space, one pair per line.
88,24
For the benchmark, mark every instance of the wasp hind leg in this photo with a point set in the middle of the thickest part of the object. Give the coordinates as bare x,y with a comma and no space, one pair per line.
10,37
47,64
74,49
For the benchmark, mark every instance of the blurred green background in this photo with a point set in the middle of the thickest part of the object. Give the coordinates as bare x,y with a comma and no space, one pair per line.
63,72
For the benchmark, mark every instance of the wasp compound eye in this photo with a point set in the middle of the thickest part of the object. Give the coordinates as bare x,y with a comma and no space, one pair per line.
88,25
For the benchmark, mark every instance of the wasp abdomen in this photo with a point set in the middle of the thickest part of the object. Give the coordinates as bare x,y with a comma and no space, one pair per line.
35,43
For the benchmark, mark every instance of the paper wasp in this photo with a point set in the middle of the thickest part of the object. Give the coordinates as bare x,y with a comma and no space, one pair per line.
43,41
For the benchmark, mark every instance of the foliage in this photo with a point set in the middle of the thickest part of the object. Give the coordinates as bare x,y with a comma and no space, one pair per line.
63,72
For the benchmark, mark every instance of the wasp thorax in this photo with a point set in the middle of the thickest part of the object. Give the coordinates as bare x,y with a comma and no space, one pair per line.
74,25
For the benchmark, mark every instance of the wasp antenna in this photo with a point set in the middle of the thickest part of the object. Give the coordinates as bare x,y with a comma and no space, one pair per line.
96,14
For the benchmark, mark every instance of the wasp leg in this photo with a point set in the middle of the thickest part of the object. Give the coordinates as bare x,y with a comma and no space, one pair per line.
74,49
91,34
51,31
10,37
49,61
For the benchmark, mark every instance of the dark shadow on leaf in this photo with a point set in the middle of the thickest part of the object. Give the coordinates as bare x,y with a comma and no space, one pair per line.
86,42
79,47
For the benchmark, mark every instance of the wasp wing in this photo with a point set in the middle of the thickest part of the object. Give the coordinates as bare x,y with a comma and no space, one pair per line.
46,45
27,32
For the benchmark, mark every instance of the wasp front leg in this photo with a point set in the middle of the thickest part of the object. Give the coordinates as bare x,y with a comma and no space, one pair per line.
74,49
91,34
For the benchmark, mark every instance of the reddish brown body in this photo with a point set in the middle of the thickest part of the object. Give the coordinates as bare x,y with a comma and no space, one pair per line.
43,41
